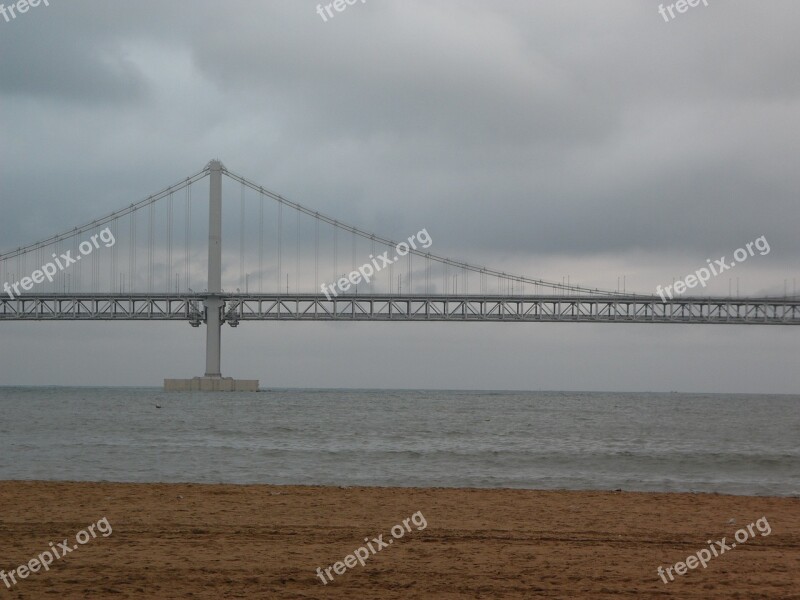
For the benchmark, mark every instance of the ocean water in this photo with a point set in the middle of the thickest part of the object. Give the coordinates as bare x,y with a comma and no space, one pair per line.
737,444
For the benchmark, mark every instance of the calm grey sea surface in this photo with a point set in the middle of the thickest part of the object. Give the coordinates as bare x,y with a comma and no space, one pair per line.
738,444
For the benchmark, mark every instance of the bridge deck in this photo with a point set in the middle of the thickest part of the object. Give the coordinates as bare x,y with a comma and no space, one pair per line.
400,308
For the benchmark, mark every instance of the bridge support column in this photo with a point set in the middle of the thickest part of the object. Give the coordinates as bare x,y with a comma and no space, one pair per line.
213,338
213,381
213,321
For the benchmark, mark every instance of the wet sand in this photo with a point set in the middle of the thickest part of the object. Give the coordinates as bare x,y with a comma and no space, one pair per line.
224,541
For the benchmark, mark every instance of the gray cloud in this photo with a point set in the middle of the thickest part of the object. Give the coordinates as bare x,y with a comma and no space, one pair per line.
589,139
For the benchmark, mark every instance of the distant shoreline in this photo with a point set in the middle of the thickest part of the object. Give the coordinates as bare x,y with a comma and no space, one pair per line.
404,488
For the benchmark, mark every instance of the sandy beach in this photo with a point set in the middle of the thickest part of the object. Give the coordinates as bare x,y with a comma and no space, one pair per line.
223,541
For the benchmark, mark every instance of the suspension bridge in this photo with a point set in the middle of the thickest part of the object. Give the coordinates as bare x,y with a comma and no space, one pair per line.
167,262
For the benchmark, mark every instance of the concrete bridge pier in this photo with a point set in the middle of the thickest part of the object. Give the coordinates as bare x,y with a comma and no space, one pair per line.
213,381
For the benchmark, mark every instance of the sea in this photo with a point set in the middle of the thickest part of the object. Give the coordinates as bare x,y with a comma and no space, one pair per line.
725,443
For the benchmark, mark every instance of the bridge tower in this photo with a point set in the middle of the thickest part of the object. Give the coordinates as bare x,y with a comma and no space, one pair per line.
213,381
213,302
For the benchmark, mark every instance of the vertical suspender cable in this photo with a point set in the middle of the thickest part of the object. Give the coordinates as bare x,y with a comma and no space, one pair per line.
187,235
391,273
280,244
410,289
260,243
131,249
241,242
93,260
427,274
169,243
113,271
93,265
297,256
150,226
79,284
335,252
99,275
372,256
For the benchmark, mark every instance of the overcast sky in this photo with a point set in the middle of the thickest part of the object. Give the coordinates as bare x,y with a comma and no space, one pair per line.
586,139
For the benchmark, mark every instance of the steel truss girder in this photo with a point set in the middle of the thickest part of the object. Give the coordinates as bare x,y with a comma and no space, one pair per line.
384,307
577,309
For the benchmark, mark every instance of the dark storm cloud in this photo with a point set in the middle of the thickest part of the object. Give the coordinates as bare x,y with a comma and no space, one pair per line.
625,132
599,126
45,59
